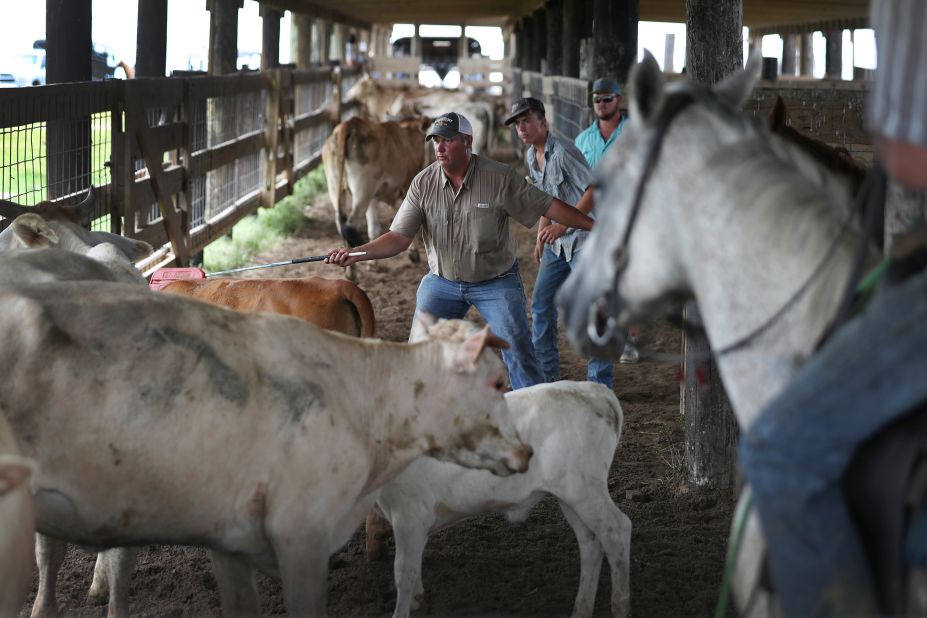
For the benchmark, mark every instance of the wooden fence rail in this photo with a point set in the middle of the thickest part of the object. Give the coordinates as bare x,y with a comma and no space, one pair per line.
177,161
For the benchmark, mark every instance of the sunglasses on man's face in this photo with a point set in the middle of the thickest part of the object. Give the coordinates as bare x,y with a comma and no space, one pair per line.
608,98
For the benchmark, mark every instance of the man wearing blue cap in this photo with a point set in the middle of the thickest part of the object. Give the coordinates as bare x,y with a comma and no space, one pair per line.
601,134
594,141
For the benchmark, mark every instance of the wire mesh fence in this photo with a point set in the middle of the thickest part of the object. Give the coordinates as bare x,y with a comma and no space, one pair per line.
206,137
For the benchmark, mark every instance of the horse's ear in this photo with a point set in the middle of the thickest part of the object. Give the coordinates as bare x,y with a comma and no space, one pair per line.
646,85
778,117
736,87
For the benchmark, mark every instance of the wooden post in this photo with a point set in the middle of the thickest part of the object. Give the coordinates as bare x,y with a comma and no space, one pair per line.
151,39
527,47
614,35
67,142
572,34
339,36
223,35
335,109
270,37
807,54
271,137
669,52
713,39
713,51
789,52
554,12
538,40
303,57
711,430
833,60
324,28
223,58
415,48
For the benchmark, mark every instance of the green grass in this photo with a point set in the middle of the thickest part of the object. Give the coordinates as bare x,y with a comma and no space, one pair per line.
23,160
267,226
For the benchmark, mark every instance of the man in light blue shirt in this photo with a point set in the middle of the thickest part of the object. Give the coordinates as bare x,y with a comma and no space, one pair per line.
601,134
557,167
594,141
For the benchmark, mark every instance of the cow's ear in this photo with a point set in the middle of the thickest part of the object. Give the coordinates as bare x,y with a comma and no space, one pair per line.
473,346
33,232
470,349
14,471
420,325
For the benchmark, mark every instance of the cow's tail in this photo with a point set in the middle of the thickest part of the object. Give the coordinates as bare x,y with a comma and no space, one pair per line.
362,309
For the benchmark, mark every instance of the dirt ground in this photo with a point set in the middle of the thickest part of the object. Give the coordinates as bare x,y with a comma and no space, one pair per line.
485,566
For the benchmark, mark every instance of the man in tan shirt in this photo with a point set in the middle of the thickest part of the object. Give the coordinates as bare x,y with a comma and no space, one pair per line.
463,203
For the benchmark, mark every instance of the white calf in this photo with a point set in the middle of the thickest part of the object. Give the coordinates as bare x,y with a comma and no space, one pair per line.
17,524
574,428
160,419
31,231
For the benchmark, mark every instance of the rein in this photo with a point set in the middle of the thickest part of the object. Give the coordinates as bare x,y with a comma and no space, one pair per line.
675,105
872,189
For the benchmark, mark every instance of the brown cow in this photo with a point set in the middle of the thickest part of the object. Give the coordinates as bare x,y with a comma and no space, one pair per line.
370,160
337,305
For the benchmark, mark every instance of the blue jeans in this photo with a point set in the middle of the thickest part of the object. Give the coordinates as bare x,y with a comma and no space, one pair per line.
502,304
553,272
870,373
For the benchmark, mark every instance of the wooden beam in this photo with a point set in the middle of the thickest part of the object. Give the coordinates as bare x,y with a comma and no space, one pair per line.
311,9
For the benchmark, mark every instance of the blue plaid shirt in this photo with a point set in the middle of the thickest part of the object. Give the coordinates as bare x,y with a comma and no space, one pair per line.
566,177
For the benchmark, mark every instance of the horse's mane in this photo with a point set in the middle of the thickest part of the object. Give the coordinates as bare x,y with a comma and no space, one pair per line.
772,170
836,159
792,155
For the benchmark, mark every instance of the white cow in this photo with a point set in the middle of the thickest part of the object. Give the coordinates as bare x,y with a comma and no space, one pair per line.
19,266
574,428
160,419
17,524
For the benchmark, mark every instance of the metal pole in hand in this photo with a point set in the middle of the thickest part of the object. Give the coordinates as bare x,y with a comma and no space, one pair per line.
303,260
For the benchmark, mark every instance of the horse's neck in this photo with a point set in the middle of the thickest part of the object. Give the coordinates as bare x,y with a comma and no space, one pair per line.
768,250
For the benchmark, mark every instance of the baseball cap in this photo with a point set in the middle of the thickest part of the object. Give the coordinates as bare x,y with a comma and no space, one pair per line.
449,125
520,106
605,85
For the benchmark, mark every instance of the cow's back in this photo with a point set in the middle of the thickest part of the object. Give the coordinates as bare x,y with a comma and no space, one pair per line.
336,305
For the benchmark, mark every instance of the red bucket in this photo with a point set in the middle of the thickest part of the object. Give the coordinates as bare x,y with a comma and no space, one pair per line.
163,276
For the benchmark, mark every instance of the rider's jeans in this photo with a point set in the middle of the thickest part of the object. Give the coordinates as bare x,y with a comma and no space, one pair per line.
501,303
872,371
553,272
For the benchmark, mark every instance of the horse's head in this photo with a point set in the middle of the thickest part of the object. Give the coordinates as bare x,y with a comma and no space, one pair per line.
632,262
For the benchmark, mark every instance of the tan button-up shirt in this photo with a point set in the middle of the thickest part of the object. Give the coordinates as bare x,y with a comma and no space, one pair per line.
467,234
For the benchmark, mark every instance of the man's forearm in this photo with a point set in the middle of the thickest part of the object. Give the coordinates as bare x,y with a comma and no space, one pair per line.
563,213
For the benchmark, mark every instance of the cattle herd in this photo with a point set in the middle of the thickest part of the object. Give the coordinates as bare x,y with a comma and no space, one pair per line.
227,414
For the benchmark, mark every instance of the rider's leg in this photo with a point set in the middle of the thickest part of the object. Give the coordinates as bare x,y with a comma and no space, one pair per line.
795,454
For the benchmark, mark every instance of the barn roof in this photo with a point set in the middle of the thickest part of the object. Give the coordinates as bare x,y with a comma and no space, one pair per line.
759,15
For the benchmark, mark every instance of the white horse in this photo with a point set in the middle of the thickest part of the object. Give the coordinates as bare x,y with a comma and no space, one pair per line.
730,215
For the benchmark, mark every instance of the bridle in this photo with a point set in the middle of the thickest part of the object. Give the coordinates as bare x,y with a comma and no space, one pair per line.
606,305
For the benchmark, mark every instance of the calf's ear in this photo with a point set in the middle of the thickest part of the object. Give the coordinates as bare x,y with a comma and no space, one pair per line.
33,232
14,471
470,350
